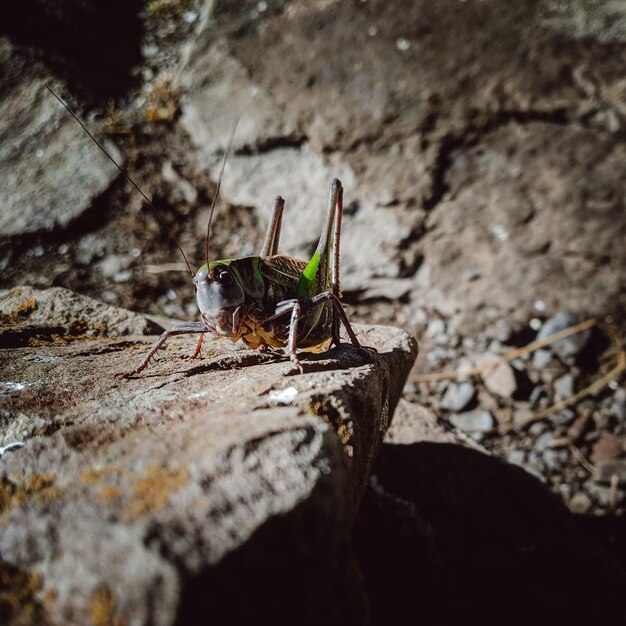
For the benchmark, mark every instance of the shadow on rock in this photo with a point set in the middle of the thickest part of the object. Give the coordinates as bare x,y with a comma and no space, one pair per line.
448,533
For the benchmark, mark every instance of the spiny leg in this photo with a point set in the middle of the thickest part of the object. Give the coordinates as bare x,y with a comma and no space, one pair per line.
272,237
334,269
329,296
178,329
196,351
294,308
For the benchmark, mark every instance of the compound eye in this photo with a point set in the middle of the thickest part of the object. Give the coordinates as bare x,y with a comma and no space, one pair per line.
225,278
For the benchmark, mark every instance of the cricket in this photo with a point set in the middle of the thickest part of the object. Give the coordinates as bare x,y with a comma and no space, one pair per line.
267,301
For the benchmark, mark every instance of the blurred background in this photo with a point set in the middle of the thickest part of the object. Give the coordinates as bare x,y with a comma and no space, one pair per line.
481,145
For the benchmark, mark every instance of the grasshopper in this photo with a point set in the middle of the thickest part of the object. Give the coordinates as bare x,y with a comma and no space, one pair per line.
273,300
270,300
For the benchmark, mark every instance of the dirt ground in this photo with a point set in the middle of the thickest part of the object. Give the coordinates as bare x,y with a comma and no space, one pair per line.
482,147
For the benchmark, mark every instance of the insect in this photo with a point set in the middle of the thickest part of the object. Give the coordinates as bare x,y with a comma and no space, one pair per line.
270,300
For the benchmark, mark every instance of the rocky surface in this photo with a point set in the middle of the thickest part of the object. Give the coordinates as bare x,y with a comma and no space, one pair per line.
576,450
169,495
481,147
28,315
475,538
42,190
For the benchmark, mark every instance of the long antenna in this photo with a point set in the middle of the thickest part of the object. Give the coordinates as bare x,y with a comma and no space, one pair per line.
123,171
217,188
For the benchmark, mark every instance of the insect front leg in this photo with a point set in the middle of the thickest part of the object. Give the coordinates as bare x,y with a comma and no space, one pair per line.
178,329
196,351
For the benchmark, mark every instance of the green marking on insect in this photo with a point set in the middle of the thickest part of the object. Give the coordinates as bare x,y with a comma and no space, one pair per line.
268,300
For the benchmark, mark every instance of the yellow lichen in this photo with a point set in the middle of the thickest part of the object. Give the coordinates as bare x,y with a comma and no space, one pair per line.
153,489
37,487
17,591
49,596
22,310
93,475
103,607
326,411
110,492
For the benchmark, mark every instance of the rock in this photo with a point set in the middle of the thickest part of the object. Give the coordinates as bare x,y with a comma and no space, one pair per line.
30,315
474,421
570,346
501,380
565,416
516,457
541,358
458,396
543,441
522,413
413,423
553,459
602,494
564,387
580,503
436,327
51,171
607,447
426,514
606,469
175,488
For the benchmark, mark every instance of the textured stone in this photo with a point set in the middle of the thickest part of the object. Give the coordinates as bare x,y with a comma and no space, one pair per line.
461,522
501,380
569,346
28,314
458,396
477,420
173,490
51,171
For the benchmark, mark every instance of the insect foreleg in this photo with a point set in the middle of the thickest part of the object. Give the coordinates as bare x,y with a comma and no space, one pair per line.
196,351
178,329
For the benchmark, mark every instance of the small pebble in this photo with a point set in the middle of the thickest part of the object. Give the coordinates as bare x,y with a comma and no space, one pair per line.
607,447
543,441
122,277
552,459
535,394
440,354
436,327
501,380
522,413
562,417
516,457
403,44
569,346
537,429
564,386
457,397
580,503
477,420
611,467
541,358
283,396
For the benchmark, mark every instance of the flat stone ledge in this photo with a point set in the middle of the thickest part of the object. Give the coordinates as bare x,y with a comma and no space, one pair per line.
154,497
